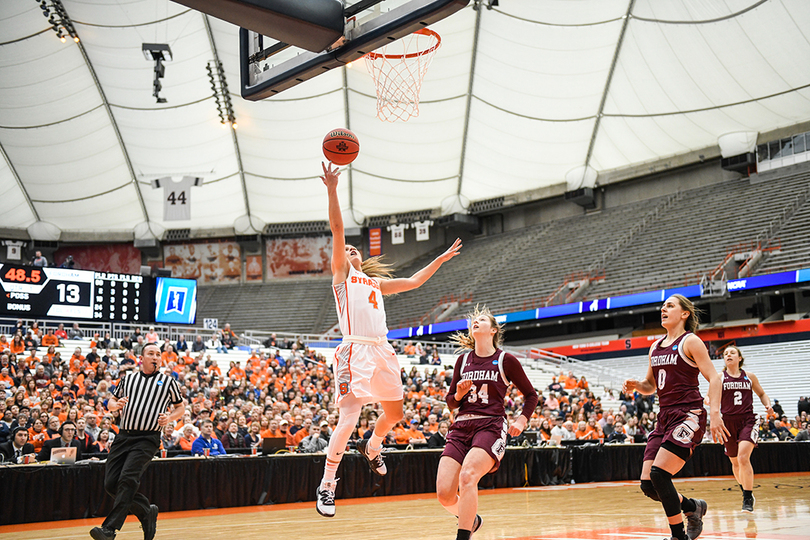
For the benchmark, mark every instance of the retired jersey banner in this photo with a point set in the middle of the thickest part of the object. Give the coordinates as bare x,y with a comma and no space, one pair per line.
374,242
299,257
176,196
215,262
422,229
397,233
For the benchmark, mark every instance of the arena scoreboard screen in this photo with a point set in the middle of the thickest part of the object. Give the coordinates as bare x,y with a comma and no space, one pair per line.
32,291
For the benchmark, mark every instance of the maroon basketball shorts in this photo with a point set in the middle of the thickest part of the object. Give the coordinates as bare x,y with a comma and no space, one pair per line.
683,427
488,434
741,427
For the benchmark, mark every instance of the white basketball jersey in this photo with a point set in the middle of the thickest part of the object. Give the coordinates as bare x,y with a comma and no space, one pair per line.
360,307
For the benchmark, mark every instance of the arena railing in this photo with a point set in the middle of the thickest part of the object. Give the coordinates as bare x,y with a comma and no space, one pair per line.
593,372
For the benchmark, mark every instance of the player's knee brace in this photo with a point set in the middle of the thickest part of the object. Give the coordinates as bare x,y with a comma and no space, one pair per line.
668,495
649,490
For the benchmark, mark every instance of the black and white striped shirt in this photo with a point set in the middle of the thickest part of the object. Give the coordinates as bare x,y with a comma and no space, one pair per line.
149,396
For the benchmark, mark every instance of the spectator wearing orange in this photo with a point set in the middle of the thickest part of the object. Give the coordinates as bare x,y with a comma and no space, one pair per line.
570,381
50,339
4,343
400,432
582,384
168,356
185,440
236,372
6,378
303,432
415,436
582,432
17,345
37,434
151,336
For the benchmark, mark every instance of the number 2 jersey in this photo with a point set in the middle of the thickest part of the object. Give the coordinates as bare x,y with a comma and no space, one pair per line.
738,398
360,307
676,376
487,393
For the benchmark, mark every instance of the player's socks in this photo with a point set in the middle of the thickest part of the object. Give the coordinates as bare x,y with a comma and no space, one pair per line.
463,534
329,471
678,531
741,488
374,445
747,494
688,505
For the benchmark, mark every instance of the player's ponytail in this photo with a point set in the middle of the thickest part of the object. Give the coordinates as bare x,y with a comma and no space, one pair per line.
465,341
374,267
693,321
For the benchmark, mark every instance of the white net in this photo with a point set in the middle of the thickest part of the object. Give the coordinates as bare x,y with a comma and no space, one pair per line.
398,70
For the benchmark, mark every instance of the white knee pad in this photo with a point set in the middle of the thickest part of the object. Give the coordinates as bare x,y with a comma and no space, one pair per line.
350,408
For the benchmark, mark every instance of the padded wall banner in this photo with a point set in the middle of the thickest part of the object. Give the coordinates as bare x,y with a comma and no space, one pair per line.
215,262
299,257
116,258
253,268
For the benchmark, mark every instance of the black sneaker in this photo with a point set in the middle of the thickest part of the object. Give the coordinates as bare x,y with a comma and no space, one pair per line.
748,504
694,520
102,534
377,464
149,524
325,504
477,523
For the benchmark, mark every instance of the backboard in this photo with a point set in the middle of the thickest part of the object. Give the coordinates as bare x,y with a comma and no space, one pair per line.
269,66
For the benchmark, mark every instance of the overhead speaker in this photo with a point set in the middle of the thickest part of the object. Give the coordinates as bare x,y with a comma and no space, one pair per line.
149,247
582,196
250,242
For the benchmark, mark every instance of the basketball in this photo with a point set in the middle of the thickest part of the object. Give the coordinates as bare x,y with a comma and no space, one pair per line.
340,146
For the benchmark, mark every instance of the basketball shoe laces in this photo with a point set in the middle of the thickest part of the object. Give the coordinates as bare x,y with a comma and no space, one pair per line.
327,493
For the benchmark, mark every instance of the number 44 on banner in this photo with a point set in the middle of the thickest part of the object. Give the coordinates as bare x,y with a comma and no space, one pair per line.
176,196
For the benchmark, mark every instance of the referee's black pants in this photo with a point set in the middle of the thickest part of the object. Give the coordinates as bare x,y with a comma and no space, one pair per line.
130,454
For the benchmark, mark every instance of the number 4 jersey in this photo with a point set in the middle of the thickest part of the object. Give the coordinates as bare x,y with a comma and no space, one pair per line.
360,307
676,376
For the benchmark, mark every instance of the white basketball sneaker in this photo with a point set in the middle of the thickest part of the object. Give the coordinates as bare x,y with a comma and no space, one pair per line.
325,504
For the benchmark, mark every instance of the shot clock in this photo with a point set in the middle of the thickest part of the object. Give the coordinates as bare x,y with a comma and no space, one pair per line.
32,291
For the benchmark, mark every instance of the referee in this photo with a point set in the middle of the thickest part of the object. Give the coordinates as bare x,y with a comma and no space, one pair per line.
143,398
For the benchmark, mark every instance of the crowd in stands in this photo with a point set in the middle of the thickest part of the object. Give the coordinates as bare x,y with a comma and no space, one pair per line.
285,391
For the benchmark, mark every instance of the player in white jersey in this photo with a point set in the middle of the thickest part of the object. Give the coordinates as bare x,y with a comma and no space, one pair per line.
365,366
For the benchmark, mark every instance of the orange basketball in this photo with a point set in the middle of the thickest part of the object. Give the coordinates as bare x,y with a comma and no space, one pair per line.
340,146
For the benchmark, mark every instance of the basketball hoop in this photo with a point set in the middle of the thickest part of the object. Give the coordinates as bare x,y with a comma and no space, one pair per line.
398,70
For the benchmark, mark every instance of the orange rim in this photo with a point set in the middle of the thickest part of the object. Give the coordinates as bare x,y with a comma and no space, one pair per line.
421,31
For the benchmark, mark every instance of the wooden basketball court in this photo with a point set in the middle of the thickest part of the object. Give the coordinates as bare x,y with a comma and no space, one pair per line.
615,510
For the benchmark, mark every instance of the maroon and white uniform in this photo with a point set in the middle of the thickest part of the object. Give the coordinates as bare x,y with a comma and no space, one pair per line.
682,418
737,408
481,418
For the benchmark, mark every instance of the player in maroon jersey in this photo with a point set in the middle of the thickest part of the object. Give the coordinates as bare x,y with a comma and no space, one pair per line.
737,407
675,362
476,441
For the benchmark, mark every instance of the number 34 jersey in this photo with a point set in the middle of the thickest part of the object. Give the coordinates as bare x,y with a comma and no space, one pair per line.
491,377
676,376
360,307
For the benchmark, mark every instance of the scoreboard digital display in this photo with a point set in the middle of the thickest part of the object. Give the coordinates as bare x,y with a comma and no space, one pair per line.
76,294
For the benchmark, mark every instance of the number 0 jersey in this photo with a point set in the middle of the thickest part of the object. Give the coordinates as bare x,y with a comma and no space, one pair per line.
360,307
738,398
676,376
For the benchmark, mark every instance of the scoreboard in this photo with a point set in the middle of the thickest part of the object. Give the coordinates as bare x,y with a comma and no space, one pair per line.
34,291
